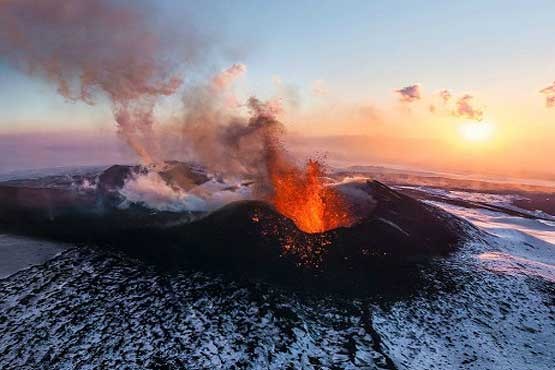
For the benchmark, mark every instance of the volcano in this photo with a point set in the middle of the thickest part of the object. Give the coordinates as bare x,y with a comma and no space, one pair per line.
393,234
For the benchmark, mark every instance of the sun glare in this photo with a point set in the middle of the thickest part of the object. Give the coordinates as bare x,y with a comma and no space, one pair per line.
476,131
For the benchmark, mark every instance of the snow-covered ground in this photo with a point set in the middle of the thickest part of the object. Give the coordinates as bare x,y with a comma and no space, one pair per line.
501,313
491,305
522,246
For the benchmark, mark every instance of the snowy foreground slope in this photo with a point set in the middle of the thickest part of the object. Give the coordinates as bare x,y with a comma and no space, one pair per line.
491,305
82,310
492,321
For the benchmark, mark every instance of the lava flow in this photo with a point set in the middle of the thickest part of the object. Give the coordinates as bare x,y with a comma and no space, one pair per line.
302,196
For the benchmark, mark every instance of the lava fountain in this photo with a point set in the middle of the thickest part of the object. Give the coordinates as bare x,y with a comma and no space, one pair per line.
301,195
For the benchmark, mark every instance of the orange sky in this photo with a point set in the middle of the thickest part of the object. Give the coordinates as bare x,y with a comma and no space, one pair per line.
338,70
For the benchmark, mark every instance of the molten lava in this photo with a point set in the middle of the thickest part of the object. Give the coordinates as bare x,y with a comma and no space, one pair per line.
301,195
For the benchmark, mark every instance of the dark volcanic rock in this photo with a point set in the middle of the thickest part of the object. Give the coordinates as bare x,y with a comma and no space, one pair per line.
182,175
114,177
177,174
395,232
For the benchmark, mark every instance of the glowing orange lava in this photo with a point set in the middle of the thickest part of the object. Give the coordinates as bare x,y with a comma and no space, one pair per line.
301,195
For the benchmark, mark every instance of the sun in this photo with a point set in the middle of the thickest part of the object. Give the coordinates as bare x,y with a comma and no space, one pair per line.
476,131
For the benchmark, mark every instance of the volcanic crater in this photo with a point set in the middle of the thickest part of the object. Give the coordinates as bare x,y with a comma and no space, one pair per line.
388,235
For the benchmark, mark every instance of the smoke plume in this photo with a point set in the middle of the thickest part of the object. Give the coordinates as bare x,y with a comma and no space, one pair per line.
549,93
223,139
225,78
89,48
410,93
101,47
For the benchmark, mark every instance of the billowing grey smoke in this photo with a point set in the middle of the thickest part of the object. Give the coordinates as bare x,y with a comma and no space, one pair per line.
87,47
112,48
233,142
217,135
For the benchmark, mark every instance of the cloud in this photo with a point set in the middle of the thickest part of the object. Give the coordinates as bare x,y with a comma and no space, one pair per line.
410,93
466,107
445,96
549,93
319,88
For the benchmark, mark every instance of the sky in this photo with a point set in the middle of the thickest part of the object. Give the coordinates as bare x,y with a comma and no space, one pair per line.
338,67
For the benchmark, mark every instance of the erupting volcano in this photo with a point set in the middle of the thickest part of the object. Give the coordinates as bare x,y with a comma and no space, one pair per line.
308,228
302,196
262,187
231,189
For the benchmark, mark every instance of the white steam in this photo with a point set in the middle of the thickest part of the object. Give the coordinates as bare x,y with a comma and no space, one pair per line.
152,191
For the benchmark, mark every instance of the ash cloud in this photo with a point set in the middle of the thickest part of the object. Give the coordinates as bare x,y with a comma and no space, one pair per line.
92,49
549,93
222,137
233,142
410,93
89,48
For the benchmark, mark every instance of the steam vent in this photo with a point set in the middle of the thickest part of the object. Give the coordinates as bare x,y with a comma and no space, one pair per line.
388,234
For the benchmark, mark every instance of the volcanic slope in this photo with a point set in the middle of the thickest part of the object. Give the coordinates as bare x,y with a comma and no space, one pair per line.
88,309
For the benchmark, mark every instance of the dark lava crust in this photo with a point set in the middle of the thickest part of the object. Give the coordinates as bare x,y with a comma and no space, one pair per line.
249,237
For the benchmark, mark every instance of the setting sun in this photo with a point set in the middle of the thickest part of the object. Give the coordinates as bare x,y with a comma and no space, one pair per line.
476,131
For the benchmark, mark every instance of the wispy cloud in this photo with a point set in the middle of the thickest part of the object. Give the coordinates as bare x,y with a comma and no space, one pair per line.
410,93
549,93
465,106
445,96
